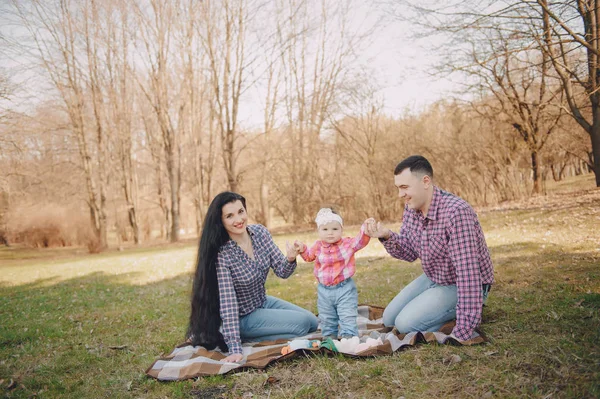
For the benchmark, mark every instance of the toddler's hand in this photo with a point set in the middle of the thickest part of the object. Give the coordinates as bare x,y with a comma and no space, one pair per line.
376,229
299,246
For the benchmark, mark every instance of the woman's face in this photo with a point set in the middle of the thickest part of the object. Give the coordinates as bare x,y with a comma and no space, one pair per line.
234,218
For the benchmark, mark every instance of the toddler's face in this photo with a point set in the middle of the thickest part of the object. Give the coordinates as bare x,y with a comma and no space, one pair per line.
330,232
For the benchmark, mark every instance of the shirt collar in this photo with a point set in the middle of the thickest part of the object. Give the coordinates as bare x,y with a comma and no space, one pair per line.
435,203
327,245
230,243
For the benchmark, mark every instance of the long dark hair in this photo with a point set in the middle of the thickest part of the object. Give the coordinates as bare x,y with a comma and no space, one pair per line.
205,319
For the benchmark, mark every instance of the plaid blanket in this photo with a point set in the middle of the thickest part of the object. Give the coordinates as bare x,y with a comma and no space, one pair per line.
188,361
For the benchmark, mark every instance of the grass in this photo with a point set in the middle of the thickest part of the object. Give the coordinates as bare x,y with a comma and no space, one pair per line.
74,325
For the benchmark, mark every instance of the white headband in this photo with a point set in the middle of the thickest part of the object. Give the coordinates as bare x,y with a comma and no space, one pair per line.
326,215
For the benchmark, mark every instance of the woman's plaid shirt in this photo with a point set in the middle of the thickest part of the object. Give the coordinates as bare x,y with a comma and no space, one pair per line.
450,243
334,263
242,280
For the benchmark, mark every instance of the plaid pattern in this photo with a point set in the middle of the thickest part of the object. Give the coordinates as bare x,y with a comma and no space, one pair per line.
188,361
452,248
334,263
242,280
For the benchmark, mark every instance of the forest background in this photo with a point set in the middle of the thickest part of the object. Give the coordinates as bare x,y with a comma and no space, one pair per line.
122,119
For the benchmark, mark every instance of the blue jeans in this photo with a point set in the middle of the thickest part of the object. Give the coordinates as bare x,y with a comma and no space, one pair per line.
338,304
422,306
277,319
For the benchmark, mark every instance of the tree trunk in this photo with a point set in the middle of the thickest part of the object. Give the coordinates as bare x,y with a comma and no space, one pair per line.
595,138
537,177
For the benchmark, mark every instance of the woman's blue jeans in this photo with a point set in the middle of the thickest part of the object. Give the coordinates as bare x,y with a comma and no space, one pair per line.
277,319
422,306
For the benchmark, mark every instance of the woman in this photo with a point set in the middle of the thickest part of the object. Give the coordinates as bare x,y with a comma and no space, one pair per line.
234,259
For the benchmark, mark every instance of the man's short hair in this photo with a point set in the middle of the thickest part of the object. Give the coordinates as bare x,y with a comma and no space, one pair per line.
416,164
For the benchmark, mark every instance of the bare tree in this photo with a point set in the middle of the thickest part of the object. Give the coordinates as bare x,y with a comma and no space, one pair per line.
518,78
317,60
200,120
120,99
361,137
572,41
224,34
156,148
156,26
56,36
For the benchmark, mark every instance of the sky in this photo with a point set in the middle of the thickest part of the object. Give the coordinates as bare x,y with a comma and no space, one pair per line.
399,64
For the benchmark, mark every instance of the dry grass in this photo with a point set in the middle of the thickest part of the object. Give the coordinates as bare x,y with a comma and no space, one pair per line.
60,316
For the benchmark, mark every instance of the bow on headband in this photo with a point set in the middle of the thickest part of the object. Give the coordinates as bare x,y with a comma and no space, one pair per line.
326,215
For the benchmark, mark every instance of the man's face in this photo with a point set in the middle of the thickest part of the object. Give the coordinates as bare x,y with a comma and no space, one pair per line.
330,232
412,189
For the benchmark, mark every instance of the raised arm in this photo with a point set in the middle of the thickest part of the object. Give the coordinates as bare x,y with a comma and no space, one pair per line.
279,262
310,254
362,239
397,245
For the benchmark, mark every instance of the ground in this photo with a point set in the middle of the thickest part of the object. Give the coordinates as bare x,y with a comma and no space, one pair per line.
77,325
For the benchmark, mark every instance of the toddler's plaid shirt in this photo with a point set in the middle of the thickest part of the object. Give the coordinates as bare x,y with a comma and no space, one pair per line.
334,263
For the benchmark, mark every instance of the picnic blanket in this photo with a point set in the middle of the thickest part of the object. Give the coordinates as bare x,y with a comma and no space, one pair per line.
187,361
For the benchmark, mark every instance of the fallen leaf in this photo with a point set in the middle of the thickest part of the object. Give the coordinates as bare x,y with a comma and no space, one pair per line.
11,384
578,304
129,385
490,353
486,395
271,380
452,360
118,347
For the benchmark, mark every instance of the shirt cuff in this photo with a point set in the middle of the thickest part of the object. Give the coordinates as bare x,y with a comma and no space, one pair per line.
389,239
236,347
462,334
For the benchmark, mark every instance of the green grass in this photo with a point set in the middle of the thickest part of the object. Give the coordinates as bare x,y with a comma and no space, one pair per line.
74,325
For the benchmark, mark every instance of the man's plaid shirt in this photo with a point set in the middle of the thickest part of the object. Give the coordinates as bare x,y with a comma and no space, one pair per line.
450,243
242,280
335,263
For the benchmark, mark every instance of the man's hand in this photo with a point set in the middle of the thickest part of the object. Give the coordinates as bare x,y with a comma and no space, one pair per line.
233,358
376,229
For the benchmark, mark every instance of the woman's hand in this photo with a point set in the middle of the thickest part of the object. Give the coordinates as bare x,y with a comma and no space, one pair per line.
233,358
292,252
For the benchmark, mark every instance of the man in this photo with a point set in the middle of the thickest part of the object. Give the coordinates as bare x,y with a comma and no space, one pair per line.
443,231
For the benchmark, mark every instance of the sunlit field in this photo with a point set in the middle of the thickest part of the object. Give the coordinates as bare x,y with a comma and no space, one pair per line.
76,325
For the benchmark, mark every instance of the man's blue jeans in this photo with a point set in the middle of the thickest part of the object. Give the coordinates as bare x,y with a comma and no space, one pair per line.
277,319
338,304
422,306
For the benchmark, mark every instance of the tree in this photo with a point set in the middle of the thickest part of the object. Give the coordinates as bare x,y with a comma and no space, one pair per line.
518,78
57,34
120,102
224,31
572,41
317,60
156,27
